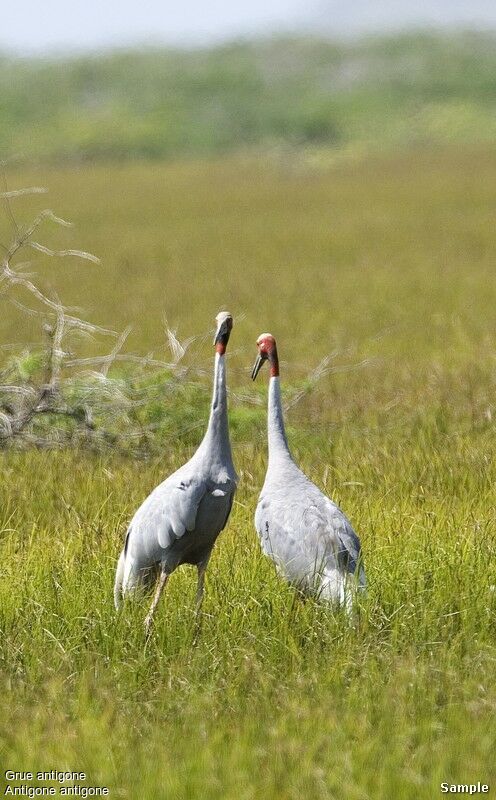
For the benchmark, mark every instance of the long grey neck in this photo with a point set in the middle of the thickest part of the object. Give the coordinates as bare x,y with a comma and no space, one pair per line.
217,434
278,444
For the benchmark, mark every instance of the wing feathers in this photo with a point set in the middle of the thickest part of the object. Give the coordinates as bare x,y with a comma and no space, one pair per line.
179,507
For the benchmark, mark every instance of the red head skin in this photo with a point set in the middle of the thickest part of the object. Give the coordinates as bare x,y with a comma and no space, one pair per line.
268,349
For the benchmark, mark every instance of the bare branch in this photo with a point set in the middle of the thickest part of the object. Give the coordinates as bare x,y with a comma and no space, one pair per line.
324,368
63,253
55,392
143,361
109,360
56,353
24,391
177,348
10,193
7,205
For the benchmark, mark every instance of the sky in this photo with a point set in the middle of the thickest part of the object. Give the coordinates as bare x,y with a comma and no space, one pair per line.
47,25
358,16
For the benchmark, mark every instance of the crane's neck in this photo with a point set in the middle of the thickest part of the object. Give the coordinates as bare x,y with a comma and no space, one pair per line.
278,444
217,435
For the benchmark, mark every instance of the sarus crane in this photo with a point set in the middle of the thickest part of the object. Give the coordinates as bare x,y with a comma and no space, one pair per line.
310,540
180,520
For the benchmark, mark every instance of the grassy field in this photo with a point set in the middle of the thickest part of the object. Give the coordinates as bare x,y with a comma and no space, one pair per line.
387,264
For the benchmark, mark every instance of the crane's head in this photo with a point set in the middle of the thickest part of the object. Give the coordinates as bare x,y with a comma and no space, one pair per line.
267,351
224,322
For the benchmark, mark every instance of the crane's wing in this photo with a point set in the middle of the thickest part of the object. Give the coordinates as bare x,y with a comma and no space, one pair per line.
228,506
294,533
350,550
304,531
168,512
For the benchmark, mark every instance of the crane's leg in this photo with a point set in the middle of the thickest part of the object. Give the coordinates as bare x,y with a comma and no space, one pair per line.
163,577
202,568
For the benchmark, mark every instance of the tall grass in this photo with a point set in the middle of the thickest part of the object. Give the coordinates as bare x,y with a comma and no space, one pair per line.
389,263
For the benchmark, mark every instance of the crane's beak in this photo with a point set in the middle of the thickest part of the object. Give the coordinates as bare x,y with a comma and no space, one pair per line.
258,363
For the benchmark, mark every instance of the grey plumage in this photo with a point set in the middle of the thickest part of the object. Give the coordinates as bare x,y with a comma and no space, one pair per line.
180,520
304,532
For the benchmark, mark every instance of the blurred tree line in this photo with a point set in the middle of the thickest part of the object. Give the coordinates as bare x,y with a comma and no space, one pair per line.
159,103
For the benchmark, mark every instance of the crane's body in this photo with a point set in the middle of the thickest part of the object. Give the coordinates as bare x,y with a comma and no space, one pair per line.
309,538
180,520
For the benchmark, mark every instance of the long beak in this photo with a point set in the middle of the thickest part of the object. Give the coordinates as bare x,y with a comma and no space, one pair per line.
256,367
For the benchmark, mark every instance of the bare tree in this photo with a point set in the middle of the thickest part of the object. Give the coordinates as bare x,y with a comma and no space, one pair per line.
52,394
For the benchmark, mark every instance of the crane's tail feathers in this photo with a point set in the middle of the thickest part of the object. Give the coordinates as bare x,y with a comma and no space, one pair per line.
119,576
341,589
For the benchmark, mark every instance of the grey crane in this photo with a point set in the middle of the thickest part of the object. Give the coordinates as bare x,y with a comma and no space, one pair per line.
180,520
308,537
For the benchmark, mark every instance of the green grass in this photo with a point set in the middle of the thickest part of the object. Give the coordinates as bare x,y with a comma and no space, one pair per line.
391,262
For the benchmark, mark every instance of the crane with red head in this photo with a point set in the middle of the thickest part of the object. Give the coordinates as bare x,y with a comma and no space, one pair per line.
305,533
